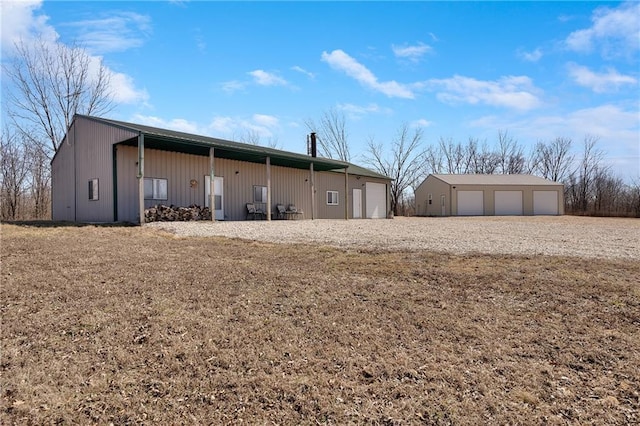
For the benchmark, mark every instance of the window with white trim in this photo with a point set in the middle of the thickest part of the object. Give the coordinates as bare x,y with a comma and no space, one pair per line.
332,198
93,189
259,194
430,198
155,189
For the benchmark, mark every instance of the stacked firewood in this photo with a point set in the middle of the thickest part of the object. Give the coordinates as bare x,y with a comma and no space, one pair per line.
162,213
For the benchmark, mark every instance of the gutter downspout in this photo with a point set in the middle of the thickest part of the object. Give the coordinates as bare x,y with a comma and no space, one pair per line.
346,194
313,192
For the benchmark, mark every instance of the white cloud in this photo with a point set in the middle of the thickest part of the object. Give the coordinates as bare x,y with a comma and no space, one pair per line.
516,92
614,31
533,56
114,33
264,78
124,89
412,53
178,124
610,81
358,111
265,120
303,71
21,22
341,61
259,125
233,86
421,123
615,126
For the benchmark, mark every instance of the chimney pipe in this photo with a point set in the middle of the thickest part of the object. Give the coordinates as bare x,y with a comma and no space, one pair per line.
314,152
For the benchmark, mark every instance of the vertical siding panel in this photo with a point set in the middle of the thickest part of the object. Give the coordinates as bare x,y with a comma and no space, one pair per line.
94,159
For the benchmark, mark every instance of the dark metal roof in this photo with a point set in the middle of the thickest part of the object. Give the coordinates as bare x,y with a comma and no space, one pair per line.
171,140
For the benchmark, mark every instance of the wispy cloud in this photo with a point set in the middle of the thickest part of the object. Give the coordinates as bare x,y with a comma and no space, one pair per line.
533,56
609,81
264,78
116,32
233,86
178,124
613,31
358,111
341,61
303,71
260,125
422,122
515,92
412,53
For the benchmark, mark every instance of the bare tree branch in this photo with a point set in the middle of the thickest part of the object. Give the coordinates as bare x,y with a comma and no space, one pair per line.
332,135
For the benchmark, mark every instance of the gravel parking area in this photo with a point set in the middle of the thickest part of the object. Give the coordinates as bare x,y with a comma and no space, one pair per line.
587,237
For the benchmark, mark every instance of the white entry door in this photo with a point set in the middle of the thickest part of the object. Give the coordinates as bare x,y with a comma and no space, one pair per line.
217,193
357,203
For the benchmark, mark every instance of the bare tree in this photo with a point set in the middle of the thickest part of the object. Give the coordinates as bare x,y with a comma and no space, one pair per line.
14,170
40,185
454,156
332,135
253,137
403,163
52,83
510,156
553,160
581,181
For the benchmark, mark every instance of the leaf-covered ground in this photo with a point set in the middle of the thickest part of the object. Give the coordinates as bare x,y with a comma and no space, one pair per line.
133,325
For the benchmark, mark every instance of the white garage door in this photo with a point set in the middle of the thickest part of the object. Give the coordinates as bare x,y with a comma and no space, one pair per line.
508,203
545,202
376,199
470,203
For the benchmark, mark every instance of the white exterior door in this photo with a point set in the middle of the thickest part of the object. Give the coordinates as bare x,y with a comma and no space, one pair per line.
357,203
545,202
470,203
217,193
508,203
443,205
376,200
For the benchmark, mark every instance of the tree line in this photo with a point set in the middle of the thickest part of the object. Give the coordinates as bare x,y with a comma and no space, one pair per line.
591,188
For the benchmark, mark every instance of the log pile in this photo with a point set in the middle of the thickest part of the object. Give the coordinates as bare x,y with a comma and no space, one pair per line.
162,213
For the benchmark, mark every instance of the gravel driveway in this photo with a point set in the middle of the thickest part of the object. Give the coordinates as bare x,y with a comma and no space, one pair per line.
612,238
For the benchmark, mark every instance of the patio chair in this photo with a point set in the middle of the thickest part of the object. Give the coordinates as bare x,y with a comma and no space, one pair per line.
254,212
281,212
294,213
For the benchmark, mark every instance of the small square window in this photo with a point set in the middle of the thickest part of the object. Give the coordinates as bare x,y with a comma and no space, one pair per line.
332,198
155,189
93,189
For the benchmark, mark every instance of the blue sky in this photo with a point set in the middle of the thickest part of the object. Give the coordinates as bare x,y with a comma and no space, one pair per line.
538,70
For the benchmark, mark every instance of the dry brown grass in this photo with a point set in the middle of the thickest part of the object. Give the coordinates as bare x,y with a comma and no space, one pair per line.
132,325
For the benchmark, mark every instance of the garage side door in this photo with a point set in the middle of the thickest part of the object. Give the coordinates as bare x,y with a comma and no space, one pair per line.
376,200
508,203
470,203
545,202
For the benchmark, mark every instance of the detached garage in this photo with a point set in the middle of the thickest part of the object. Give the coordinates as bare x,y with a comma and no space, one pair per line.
489,195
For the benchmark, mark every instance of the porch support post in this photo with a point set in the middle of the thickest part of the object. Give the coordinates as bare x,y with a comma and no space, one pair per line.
268,206
313,192
346,195
140,177
212,185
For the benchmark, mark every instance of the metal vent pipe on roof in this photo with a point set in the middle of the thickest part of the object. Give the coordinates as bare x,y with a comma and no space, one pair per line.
311,145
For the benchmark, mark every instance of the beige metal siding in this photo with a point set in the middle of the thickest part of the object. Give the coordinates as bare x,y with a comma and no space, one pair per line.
63,202
335,181
288,186
94,159
437,188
